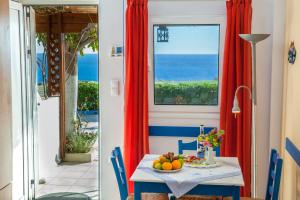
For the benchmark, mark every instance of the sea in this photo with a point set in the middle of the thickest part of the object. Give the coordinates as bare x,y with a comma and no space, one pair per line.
168,67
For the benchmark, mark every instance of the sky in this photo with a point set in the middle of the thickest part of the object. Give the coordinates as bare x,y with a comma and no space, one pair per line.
189,39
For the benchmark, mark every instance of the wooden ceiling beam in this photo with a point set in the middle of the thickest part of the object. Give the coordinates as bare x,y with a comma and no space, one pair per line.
71,22
67,28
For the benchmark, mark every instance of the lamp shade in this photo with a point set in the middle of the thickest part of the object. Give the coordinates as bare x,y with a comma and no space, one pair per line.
236,108
254,38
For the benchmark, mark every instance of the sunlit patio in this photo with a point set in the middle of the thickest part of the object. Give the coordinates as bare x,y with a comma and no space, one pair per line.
73,177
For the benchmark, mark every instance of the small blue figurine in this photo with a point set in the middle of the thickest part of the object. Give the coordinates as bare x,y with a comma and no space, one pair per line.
292,53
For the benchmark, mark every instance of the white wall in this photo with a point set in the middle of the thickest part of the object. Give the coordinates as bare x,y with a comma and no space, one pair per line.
277,73
263,23
111,114
48,136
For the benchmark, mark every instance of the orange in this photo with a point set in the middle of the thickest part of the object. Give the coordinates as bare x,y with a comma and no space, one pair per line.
162,159
176,164
167,166
155,162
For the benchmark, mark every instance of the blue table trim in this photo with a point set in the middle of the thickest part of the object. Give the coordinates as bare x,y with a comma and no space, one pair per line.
176,131
293,150
213,190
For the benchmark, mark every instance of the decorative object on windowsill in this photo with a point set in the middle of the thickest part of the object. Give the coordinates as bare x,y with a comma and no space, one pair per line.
211,141
162,33
292,53
253,39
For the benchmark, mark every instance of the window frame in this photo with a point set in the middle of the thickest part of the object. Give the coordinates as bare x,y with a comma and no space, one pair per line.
203,20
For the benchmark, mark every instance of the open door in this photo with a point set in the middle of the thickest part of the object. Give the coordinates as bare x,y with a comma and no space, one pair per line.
31,96
55,68
17,80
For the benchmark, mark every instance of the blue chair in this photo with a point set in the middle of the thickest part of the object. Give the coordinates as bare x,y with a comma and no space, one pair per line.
274,177
191,146
118,165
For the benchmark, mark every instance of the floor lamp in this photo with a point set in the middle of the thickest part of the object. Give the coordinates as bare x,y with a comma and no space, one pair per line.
253,39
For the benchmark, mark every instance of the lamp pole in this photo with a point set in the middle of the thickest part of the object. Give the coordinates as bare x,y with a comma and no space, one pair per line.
253,39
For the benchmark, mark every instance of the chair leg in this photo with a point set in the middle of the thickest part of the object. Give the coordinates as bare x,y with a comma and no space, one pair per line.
172,197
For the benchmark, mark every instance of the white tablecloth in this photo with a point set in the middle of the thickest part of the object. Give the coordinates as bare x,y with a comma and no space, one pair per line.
182,182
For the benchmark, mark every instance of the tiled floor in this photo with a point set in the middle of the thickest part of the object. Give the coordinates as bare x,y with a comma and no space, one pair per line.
72,177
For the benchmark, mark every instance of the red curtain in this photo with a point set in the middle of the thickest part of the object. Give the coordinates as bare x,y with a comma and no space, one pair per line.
136,143
237,71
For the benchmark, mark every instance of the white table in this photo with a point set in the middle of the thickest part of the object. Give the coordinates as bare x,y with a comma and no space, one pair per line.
147,183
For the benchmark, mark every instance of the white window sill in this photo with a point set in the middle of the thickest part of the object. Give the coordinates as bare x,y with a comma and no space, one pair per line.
184,115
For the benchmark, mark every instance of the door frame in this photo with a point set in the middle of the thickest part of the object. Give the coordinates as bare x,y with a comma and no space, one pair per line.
28,3
21,80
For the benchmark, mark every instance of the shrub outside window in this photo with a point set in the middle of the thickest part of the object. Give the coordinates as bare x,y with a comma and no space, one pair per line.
186,64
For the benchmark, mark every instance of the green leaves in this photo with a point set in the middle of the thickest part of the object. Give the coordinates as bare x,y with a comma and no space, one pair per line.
186,93
73,40
88,95
81,142
94,45
41,39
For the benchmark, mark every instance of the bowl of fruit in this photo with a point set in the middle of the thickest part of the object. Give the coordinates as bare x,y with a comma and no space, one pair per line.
168,163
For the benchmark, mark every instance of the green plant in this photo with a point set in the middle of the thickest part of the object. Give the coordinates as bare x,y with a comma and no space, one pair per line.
88,95
81,142
186,93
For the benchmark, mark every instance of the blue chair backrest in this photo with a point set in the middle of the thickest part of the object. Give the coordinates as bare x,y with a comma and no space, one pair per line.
275,169
118,165
192,146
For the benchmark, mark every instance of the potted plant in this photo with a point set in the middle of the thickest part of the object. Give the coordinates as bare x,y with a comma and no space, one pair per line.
79,145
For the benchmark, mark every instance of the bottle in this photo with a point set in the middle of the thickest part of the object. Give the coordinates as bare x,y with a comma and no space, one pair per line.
200,145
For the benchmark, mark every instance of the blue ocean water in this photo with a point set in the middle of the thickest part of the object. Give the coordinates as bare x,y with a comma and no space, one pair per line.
167,67
87,68
186,67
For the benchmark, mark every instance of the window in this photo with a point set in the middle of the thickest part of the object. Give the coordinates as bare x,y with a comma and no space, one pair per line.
186,64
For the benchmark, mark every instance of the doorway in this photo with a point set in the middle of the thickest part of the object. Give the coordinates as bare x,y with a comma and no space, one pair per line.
65,101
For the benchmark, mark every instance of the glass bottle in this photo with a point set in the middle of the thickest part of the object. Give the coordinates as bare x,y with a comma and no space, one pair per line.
200,145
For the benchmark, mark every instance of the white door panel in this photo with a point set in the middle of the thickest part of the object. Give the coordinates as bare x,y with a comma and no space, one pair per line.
17,65
31,98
